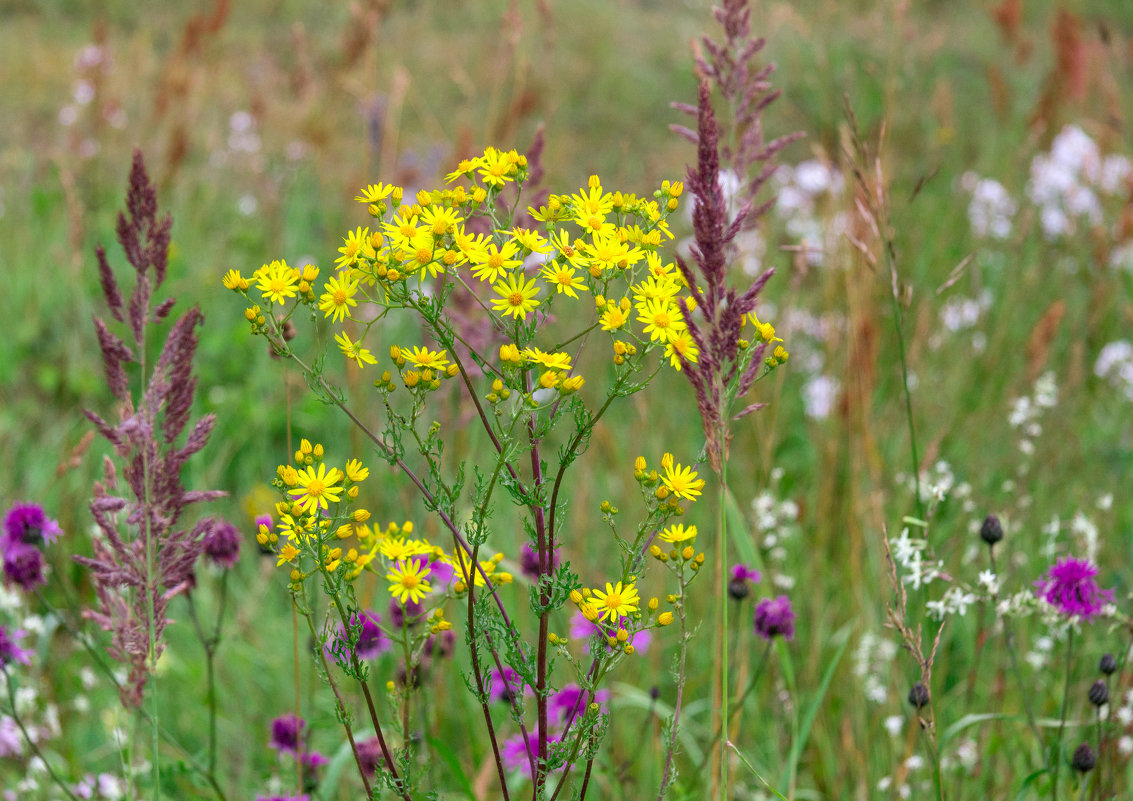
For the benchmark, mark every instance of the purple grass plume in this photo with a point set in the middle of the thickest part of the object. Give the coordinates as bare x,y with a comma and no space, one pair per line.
725,371
144,556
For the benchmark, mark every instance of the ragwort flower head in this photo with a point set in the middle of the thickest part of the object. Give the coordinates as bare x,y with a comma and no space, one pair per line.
27,523
774,617
1070,588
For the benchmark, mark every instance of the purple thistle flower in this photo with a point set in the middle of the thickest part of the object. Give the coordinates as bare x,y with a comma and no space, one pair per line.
519,753
410,612
529,561
369,754
571,701
23,566
10,650
774,617
506,686
27,523
287,734
1070,588
222,544
371,640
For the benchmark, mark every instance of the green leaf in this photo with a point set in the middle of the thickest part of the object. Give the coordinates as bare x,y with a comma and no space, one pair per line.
446,754
842,637
755,773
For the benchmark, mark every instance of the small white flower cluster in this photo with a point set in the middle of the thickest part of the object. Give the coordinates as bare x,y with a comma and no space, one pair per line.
1115,365
1065,182
960,315
1124,716
871,665
910,556
775,521
955,601
803,192
105,785
991,208
1026,413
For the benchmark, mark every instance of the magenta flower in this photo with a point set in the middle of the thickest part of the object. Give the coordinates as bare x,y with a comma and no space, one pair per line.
23,565
287,734
222,544
506,686
1070,588
27,523
372,641
774,617
10,650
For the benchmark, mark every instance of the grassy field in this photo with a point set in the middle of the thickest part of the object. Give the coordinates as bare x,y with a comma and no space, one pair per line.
260,122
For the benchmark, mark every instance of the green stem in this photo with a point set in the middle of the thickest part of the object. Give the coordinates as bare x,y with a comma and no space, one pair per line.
722,567
27,737
1056,749
680,692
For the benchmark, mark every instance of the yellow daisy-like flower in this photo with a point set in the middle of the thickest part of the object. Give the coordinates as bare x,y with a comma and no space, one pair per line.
403,228
338,298
492,263
419,253
572,251
531,240
440,220
684,345
563,278
516,296
317,487
496,167
354,350
407,581
662,318
356,472
654,288
465,168
592,201
610,252
680,480
473,246
766,330
678,532
356,245
375,192
286,554
613,318
423,357
277,281
617,601
552,361
233,280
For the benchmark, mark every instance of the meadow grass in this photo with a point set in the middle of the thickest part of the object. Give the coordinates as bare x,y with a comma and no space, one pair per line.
340,101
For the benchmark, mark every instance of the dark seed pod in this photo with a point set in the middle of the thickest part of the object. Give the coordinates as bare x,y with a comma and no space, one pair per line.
918,695
1099,693
1083,760
1108,664
738,589
991,531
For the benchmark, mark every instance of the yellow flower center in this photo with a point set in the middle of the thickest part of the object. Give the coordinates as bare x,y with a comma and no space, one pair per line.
339,297
495,261
661,320
316,488
439,227
595,223
409,581
423,255
278,285
407,230
613,601
515,299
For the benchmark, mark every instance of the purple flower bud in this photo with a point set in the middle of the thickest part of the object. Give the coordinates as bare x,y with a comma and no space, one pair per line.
222,544
774,618
23,566
287,734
